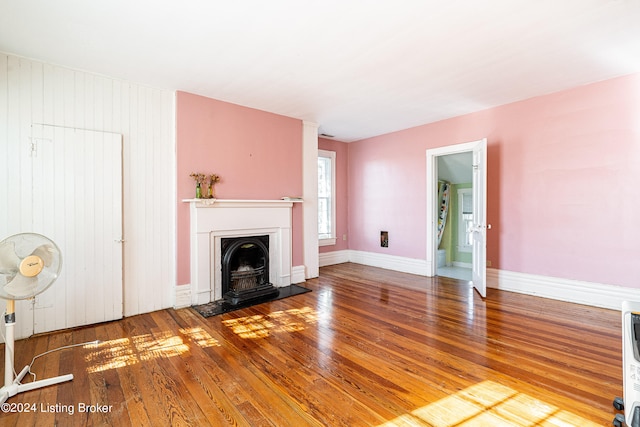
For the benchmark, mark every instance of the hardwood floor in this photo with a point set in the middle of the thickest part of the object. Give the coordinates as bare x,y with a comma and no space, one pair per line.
368,347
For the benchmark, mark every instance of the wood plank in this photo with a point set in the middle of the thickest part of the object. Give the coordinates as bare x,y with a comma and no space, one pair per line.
366,347
133,407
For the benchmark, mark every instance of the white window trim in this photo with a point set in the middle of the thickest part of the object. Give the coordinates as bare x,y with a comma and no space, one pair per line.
330,240
327,242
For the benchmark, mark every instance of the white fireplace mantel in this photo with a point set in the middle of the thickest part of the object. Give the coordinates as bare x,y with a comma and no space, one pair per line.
240,203
214,219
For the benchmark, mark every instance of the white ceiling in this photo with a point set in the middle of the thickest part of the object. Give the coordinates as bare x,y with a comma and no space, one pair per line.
456,168
357,68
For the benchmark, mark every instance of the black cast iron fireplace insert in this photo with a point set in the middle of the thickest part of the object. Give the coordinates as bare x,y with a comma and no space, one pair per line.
245,269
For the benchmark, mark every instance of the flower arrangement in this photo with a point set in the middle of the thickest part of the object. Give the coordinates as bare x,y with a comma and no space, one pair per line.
199,177
202,180
213,179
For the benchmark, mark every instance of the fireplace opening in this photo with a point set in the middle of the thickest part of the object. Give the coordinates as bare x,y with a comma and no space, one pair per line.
245,269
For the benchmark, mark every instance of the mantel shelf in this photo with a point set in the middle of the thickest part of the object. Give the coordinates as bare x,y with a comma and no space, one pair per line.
229,203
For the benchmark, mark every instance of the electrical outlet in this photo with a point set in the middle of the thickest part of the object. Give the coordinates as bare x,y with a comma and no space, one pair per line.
344,237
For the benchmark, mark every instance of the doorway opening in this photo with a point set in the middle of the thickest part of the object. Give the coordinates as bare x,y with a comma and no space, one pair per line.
455,215
456,212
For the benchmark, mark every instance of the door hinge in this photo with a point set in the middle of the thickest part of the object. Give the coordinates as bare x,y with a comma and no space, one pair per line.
34,145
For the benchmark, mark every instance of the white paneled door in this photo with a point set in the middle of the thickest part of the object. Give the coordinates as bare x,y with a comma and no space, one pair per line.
77,202
480,226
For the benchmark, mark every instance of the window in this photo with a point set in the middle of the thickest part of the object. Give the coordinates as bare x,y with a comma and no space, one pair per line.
326,197
465,219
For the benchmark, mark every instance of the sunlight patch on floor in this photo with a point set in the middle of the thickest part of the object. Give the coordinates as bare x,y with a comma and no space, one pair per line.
200,337
262,325
117,353
151,347
111,354
489,404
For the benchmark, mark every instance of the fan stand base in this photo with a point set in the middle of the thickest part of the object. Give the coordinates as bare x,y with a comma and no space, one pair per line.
12,386
11,390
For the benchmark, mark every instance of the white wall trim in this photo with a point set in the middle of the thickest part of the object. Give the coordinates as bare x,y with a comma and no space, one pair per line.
576,291
297,274
462,264
310,197
334,257
390,262
182,296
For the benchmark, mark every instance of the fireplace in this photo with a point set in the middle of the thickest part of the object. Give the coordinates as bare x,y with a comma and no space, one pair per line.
245,269
213,221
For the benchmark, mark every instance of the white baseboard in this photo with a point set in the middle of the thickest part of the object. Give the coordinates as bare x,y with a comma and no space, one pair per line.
575,291
462,264
390,262
335,257
183,296
297,274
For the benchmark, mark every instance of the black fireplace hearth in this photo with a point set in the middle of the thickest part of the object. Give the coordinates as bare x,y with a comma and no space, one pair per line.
245,269
223,306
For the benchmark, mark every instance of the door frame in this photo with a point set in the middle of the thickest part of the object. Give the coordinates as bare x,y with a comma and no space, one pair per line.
432,191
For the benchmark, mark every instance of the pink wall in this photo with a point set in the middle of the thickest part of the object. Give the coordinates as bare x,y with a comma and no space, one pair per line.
342,161
257,154
562,191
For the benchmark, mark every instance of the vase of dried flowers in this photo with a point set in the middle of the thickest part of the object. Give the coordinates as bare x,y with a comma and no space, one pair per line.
200,179
213,179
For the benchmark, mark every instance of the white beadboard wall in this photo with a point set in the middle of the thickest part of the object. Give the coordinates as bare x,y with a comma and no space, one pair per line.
35,92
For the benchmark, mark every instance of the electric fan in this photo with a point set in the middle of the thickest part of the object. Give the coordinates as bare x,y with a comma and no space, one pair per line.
29,264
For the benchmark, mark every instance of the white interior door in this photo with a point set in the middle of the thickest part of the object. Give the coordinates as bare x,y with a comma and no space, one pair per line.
479,250
77,202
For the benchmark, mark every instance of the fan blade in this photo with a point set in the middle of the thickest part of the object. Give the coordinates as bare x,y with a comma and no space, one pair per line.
9,261
6,277
45,252
21,287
